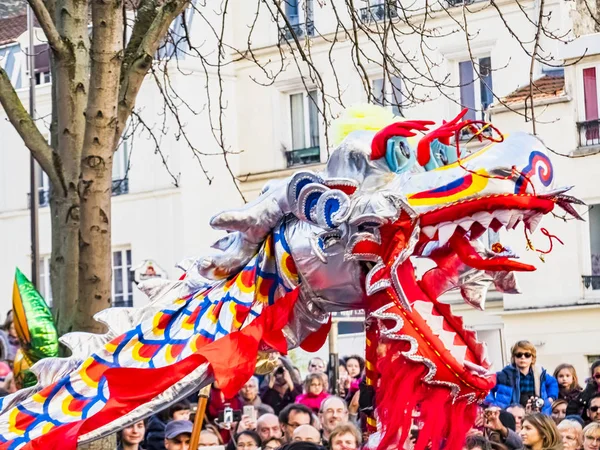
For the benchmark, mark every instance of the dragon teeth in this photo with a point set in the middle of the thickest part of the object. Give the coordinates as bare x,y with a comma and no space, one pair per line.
429,231
514,220
484,218
425,309
459,352
445,232
466,224
503,216
534,221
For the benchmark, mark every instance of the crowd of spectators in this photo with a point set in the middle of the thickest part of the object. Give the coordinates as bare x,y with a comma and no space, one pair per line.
279,411
530,408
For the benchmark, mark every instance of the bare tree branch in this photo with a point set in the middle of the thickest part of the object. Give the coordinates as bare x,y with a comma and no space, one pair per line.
141,61
45,20
25,126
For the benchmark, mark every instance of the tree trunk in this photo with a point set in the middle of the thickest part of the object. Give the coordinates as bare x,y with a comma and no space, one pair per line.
95,189
95,255
64,266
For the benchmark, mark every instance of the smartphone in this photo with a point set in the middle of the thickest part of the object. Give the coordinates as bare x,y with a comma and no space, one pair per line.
229,415
249,411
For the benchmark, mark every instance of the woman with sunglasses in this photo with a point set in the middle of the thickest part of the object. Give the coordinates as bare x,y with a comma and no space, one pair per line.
581,405
522,382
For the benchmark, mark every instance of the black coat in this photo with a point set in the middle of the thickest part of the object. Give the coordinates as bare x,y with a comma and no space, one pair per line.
580,405
155,433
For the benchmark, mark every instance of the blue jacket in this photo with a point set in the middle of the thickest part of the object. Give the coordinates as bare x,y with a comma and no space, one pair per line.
507,391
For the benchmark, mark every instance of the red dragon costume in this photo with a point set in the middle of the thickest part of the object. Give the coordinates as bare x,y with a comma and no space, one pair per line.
312,244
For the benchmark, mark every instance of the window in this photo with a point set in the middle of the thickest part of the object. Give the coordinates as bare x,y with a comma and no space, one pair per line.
299,14
122,278
476,94
388,92
42,64
494,341
45,289
120,173
43,186
378,10
589,129
304,121
593,280
592,359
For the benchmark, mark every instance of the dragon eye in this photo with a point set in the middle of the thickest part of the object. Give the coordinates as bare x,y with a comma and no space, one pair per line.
443,158
404,149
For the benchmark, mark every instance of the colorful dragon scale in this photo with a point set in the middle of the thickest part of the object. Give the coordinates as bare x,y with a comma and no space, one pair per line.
310,245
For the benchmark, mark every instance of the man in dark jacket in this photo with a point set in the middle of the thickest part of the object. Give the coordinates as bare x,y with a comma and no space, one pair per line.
522,382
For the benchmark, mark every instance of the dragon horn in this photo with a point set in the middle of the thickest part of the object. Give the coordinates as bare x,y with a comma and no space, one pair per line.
379,143
446,130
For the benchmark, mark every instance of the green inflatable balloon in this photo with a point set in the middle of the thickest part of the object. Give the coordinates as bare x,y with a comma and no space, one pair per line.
34,326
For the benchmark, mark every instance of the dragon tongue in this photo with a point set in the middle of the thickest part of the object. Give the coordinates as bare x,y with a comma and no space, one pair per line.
470,257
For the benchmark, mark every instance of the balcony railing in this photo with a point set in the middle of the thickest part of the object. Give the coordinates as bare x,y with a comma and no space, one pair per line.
591,281
589,133
310,155
301,30
120,187
376,13
460,2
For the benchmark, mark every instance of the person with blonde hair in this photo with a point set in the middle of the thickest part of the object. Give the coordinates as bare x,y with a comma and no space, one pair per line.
345,437
572,434
539,432
591,436
523,382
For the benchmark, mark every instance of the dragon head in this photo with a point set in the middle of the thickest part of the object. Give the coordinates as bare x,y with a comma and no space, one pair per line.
383,202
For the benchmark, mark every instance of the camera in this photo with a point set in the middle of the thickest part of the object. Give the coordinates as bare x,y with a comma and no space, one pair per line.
537,403
279,371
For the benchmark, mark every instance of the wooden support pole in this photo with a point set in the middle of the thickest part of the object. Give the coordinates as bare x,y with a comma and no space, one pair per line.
199,419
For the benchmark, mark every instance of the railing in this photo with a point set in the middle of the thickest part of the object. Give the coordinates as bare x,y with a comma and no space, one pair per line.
592,281
589,133
120,187
310,155
376,13
301,30
460,2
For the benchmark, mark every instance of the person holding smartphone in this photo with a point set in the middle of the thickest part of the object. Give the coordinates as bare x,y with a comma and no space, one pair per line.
281,390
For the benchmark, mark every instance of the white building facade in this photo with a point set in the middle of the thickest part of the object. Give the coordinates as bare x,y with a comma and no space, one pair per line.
275,128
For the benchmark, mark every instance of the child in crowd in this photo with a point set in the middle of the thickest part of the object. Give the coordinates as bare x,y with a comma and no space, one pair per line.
568,384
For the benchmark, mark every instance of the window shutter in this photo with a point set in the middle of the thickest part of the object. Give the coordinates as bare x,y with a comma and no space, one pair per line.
467,88
590,94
